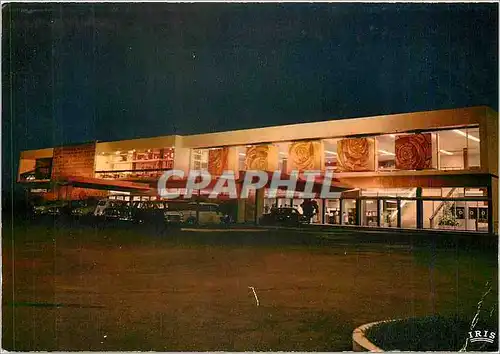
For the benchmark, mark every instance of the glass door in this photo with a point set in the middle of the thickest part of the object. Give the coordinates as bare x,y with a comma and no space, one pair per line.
388,213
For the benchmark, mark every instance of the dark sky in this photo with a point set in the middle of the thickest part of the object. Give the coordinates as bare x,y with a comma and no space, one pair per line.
81,72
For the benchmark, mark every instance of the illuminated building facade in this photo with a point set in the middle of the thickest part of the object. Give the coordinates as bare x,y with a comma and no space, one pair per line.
425,170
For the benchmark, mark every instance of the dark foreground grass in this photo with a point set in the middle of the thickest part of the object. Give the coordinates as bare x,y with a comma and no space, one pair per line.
102,288
433,333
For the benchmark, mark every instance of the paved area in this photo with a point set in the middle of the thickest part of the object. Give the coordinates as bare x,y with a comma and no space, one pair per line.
82,288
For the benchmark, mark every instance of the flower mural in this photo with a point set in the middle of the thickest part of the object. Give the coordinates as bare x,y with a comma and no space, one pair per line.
414,152
356,154
261,157
305,155
217,161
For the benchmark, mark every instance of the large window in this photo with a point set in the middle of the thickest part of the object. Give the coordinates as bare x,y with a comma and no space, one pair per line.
349,212
199,159
369,212
332,210
458,149
454,211
330,146
473,160
386,154
451,149
283,156
140,163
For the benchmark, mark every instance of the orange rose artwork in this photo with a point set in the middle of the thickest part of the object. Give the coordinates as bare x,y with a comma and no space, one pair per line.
414,152
261,157
356,154
305,155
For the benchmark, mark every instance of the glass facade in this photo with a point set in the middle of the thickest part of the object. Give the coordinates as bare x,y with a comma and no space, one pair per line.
199,159
451,149
134,164
464,209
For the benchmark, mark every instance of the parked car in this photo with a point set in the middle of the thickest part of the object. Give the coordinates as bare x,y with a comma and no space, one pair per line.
155,211
104,204
117,210
83,207
101,207
283,216
208,213
50,208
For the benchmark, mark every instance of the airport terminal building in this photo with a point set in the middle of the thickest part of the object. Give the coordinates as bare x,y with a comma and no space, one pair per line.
423,170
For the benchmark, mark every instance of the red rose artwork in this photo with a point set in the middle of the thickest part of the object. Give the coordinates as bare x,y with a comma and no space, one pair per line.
414,152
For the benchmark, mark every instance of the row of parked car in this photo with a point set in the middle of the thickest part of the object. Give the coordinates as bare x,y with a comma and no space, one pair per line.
171,212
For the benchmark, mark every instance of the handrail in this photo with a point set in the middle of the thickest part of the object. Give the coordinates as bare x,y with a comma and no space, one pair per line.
440,206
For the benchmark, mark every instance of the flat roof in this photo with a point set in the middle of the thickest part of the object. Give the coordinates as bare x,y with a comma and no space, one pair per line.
373,125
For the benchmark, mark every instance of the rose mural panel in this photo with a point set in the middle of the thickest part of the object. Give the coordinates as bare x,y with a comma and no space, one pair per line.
217,161
261,157
356,154
306,155
414,152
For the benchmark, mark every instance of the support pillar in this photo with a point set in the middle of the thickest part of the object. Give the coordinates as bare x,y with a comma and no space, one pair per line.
323,211
240,217
341,212
358,212
378,211
491,228
420,209
259,205
399,216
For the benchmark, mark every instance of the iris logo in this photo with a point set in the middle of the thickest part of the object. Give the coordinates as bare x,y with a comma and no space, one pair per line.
482,336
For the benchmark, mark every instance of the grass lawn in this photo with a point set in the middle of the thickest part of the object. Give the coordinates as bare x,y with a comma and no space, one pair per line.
82,288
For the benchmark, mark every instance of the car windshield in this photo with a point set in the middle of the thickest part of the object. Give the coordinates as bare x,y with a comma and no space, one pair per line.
101,203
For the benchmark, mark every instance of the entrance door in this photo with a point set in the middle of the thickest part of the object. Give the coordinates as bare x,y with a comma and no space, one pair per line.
388,213
369,210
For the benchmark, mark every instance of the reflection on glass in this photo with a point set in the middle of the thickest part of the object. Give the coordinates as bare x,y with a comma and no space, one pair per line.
408,214
199,159
330,146
388,213
349,212
140,163
332,211
473,150
386,153
369,212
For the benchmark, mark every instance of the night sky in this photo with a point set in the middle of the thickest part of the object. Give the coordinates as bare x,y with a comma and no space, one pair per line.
82,72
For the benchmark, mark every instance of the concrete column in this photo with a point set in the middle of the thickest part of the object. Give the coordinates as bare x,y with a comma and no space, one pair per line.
492,209
494,204
232,160
241,211
420,209
358,212
378,211
259,204
182,158
323,211
341,212
399,216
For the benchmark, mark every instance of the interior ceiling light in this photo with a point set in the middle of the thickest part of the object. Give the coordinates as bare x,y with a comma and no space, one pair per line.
445,152
330,152
385,152
471,137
